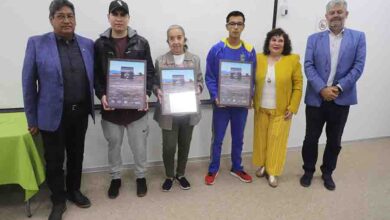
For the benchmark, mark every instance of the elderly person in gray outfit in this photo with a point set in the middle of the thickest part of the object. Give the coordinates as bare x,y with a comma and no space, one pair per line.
177,130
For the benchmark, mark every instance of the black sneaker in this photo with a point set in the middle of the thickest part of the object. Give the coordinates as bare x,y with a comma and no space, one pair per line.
306,179
183,182
57,210
328,182
113,191
141,187
79,199
167,185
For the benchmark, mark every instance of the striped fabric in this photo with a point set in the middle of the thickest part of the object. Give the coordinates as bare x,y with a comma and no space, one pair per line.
270,140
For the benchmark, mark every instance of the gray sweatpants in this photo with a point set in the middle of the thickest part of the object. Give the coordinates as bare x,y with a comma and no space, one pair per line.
137,133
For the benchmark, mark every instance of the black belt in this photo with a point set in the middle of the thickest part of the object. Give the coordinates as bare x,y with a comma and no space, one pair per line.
76,106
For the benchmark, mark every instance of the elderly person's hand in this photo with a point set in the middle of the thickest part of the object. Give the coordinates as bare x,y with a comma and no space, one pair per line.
146,105
199,89
159,95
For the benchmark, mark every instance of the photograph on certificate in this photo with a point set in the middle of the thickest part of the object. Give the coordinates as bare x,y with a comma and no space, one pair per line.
126,84
235,83
179,91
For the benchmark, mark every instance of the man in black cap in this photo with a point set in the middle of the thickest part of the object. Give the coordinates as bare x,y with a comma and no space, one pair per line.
121,41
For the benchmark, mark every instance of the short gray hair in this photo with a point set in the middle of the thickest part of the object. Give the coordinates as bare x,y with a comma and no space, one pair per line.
176,26
332,3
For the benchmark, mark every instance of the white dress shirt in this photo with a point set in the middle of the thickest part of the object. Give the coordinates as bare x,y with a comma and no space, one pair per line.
334,43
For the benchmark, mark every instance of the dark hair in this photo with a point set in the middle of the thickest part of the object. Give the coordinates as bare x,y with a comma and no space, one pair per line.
56,5
235,13
277,32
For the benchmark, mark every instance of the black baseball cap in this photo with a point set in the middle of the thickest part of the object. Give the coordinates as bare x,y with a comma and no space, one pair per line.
118,4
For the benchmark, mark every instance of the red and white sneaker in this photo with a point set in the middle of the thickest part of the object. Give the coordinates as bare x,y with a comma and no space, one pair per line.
209,179
241,175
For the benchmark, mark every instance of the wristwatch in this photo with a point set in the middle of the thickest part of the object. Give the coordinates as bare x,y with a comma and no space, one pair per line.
340,91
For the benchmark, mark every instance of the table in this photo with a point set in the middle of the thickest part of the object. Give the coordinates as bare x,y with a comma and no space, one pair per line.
21,155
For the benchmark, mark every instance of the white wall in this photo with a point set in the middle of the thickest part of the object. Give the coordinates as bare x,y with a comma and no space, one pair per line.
96,146
369,118
204,23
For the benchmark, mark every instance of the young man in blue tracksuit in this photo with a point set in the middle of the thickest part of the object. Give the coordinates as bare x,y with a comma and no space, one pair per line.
230,48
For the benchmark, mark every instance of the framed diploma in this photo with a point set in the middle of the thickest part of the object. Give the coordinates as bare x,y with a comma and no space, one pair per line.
235,83
126,84
179,91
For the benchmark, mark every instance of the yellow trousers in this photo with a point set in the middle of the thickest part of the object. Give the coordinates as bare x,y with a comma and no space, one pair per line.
270,140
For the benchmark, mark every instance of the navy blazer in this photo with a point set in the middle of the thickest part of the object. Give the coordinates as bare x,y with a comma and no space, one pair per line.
42,80
350,66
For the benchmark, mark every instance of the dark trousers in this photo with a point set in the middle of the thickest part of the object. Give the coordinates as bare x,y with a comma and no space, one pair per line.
335,116
180,136
69,138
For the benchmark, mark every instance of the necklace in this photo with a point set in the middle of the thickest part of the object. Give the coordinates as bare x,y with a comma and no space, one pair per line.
268,76
271,61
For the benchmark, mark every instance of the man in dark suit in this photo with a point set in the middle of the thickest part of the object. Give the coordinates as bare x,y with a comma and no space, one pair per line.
58,97
334,61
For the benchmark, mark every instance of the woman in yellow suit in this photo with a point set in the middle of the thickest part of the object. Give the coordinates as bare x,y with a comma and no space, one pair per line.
278,93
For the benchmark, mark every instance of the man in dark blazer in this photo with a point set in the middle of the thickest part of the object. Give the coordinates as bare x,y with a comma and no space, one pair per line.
334,61
57,82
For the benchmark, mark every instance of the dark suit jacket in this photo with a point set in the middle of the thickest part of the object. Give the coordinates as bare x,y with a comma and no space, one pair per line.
43,91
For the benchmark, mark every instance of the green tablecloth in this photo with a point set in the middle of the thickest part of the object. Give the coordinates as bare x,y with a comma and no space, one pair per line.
21,154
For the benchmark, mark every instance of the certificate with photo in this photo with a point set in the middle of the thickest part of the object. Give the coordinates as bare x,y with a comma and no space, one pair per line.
179,91
126,84
235,83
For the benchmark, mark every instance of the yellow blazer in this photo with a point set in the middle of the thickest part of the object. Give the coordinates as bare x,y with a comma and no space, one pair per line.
288,81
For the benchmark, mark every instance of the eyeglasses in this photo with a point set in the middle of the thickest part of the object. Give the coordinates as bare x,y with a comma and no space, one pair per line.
62,17
234,24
